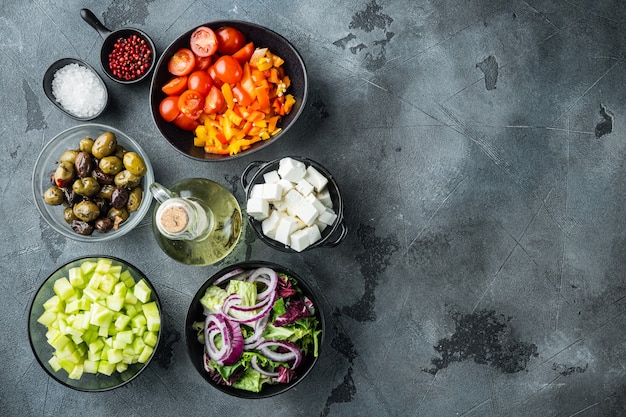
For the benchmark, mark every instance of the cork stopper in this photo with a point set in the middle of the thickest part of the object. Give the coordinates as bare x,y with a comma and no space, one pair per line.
174,219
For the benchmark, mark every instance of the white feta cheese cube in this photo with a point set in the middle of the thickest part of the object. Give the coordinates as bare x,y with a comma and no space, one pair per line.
286,226
319,206
270,224
324,197
303,238
328,216
280,206
306,212
285,185
271,177
272,192
299,240
256,191
304,187
258,208
316,178
293,199
321,226
290,169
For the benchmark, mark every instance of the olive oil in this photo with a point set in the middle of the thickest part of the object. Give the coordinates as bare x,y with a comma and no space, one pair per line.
210,227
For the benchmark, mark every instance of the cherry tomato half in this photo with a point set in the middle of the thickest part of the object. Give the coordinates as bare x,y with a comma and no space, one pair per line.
185,122
244,54
191,103
214,102
228,69
182,62
229,40
169,108
200,81
175,86
203,41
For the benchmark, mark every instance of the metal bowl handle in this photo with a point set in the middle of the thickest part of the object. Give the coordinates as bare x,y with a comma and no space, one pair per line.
246,173
342,235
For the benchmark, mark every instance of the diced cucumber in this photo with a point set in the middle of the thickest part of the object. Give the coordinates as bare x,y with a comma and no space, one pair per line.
151,338
142,291
90,367
127,279
106,368
103,265
145,354
47,318
122,321
115,302
54,364
88,267
77,277
153,317
77,371
114,355
100,320
63,288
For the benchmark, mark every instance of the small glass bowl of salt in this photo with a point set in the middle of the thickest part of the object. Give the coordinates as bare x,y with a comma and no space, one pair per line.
76,89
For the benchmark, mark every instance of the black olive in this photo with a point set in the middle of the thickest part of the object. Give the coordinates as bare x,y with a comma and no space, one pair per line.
104,224
83,164
82,228
119,198
101,177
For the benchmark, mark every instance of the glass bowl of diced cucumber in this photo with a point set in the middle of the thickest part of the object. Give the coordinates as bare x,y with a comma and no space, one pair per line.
294,204
95,323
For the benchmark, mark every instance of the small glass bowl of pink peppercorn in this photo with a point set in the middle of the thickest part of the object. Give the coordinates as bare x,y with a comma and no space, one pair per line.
127,55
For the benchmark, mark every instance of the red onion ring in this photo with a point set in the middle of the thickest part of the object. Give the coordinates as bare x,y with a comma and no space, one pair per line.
260,370
293,354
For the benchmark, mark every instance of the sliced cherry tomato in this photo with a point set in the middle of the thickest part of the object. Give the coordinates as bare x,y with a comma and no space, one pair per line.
228,69
175,86
214,102
229,40
185,122
191,103
203,41
182,62
203,63
243,98
244,54
200,81
169,108
216,80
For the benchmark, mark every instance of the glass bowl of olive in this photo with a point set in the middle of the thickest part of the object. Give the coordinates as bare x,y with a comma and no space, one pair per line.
91,183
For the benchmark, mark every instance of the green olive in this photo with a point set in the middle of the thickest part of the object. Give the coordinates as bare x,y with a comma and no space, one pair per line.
85,144
127,179
64,174
54,196
111,164
86,211
134,163
87,186
106,191
104,145
68,156
68,215
118,215
134,199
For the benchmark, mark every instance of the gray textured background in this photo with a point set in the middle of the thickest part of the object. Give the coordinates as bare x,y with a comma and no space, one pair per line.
483,274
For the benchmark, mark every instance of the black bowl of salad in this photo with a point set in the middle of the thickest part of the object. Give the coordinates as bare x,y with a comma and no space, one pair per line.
254,330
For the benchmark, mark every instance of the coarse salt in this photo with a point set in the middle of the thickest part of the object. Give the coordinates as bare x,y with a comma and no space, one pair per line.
79,90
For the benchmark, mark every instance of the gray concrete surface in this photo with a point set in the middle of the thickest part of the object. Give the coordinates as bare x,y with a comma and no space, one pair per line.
483,274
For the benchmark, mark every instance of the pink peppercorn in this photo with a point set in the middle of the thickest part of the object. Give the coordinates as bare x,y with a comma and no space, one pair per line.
130,58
